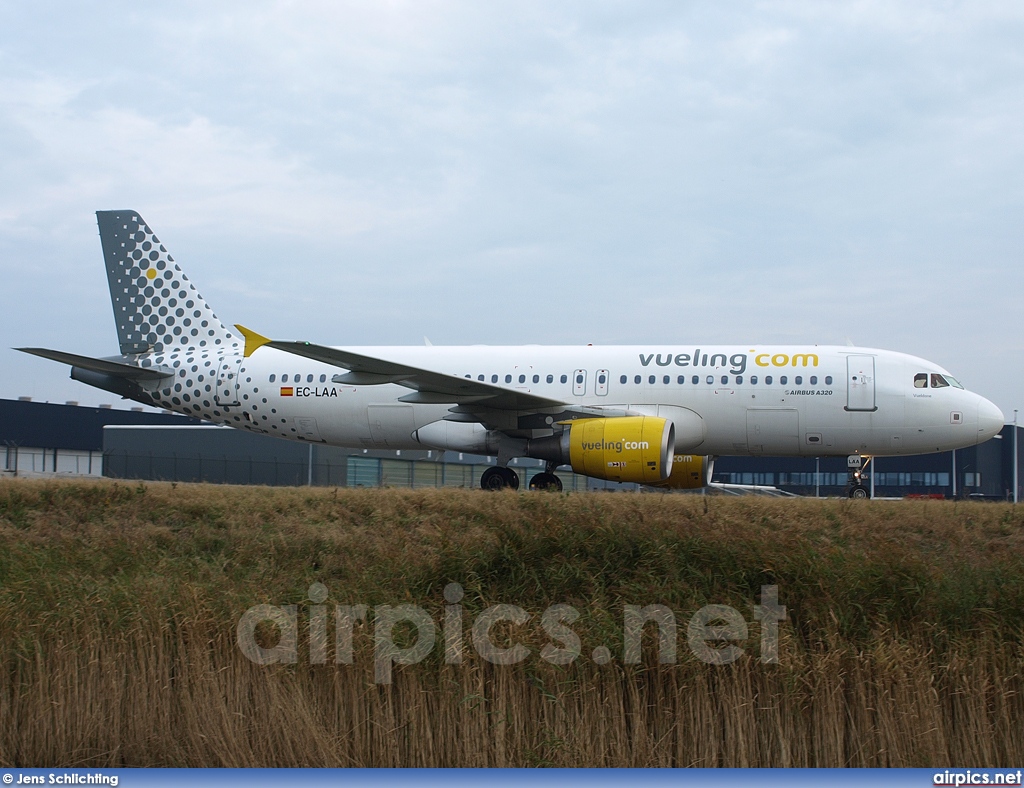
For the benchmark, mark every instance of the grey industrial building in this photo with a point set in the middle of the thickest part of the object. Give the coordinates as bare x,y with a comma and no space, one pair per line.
46,438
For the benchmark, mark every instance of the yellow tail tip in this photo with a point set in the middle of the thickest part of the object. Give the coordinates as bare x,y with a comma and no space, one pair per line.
253,341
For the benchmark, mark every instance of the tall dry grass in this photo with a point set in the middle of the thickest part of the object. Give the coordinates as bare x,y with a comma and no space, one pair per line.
118,607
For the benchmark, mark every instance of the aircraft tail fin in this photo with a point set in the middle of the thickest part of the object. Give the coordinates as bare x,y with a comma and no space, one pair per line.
156,308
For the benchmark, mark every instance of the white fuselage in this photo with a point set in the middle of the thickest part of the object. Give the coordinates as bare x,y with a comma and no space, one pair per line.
778,400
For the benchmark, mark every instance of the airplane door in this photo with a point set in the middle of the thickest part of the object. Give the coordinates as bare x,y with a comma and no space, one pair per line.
579,382
601,386
860,383
227,380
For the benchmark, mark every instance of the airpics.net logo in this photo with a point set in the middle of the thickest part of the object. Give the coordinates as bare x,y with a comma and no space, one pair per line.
715,634
954,777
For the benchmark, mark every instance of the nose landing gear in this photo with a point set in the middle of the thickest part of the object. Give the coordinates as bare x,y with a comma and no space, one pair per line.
858,465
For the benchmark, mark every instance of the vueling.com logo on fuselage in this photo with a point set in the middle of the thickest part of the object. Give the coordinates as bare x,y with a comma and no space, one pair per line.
737,362
616,446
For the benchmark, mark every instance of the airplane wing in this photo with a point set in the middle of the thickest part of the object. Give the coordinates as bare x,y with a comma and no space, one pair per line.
429,387
116,369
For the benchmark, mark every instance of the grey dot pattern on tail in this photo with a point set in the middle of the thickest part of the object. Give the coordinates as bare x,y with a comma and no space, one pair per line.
156,307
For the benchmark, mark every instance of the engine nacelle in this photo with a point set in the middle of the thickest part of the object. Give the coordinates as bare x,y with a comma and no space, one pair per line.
621,449
689,472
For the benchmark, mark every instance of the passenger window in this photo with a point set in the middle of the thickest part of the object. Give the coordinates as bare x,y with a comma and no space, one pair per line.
725,380
479,377
602,379
508,378
522,378
711,379
783,380
494,378
579,379
666,380
799,380
753,380
938,382
651,379
564,378
767,380
622,379
695,380
551,378
739,380
273,378
681,380
637,380
828,380
814,380
309,378
536,378
284,378
323,378
920,380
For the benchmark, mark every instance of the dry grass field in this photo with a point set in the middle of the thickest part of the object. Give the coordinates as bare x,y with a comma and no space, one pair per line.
119,608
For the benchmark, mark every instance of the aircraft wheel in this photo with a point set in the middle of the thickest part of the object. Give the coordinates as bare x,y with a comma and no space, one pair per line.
498,478
859,491
546,481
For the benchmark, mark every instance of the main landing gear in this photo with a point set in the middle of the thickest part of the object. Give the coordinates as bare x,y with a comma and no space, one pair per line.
499,478
546,481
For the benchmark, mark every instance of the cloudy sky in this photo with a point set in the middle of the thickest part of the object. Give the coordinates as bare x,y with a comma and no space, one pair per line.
373,173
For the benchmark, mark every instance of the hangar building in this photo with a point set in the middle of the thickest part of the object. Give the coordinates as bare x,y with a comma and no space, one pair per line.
45,438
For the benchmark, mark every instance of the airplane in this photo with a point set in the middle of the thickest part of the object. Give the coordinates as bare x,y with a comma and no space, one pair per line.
655,414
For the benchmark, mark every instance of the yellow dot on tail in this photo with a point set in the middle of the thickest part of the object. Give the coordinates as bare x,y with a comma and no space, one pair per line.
151,274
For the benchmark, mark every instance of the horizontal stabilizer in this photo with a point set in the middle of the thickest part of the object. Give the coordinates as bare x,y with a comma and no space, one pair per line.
116,369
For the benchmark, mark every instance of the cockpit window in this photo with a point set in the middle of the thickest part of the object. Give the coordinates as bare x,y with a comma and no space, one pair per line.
938,382
921,380
953,381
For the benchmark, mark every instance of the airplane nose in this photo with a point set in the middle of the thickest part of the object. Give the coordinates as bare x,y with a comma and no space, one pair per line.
990,420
